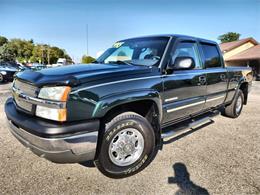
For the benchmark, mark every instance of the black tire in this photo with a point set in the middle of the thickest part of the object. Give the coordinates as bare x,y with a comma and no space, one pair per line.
1,78
230,110
122,122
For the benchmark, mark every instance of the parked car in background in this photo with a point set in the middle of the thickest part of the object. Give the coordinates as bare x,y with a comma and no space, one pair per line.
7,73
22,68
60,62
36,66
18,66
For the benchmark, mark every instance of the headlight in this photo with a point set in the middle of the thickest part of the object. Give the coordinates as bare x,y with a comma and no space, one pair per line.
51,113
3,72
59,93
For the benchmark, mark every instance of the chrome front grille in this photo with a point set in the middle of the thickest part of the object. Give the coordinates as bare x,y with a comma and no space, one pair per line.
27,89
24,105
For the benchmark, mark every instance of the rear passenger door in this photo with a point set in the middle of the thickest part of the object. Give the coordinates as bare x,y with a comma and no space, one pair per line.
217,78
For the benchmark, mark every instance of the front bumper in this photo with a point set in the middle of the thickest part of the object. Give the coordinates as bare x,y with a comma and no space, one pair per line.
59,143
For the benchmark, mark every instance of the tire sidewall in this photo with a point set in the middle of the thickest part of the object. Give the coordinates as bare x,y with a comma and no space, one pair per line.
2,78
239,94
107,166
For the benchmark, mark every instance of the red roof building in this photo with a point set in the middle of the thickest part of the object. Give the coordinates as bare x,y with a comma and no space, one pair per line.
244,52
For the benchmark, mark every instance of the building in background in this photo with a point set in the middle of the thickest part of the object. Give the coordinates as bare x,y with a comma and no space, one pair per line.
244,52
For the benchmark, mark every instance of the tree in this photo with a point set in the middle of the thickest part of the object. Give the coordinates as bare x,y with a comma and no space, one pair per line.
27,51
68,58
55,54
87,59
6,54
3,40
228,37
36,54
22,49
46,54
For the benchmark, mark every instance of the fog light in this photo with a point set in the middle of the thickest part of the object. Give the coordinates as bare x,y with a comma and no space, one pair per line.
51,113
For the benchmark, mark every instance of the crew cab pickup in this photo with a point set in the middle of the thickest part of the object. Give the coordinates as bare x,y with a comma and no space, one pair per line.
116,111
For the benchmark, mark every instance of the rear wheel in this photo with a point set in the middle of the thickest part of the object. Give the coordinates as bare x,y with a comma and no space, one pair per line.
127,146
234,109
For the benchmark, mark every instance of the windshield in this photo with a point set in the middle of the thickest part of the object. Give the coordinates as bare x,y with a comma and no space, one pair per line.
139,51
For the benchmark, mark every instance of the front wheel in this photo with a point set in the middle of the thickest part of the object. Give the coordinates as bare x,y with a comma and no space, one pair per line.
128,146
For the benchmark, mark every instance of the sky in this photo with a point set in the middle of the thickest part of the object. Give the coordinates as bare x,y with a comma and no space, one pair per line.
63,23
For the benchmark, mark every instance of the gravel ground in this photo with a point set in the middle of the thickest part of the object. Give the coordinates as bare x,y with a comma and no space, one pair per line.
221,158
5,89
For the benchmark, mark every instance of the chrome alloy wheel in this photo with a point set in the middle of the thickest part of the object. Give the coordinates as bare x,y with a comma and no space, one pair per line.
239,104
126,147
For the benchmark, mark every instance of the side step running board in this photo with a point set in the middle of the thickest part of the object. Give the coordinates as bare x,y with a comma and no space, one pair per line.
188,125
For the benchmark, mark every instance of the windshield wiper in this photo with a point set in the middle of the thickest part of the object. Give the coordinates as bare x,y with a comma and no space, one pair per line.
120,62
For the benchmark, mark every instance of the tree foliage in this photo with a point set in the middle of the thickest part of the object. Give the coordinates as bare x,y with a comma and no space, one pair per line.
27,51
6,54
228,37
3,40
87,59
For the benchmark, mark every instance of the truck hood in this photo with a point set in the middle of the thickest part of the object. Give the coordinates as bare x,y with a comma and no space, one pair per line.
81,73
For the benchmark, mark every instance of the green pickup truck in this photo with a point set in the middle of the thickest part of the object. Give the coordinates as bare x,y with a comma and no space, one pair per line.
117,111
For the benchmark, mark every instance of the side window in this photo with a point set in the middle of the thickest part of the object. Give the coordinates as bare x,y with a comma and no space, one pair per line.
187,49
212,56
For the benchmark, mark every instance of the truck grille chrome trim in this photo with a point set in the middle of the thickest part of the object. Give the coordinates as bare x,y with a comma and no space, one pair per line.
186,106
37,101
25,88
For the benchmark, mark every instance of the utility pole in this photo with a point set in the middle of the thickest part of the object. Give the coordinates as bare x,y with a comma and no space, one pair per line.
42,61
48,54
87,37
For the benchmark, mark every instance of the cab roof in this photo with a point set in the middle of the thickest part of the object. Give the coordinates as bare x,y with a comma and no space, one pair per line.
178,36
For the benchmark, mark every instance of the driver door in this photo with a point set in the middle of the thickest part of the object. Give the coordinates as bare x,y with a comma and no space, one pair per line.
184,90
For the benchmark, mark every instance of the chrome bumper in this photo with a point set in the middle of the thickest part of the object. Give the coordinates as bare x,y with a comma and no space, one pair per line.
69,149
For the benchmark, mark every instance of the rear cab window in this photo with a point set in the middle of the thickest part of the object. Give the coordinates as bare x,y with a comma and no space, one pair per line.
211,55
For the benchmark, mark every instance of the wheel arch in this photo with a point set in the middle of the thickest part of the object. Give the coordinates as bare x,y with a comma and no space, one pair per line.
130,100
244,88
146,103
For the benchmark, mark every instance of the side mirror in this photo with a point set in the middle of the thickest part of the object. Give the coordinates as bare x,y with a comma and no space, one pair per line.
182,63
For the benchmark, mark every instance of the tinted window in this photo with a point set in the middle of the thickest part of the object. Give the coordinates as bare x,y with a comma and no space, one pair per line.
187,49
138,51
211,54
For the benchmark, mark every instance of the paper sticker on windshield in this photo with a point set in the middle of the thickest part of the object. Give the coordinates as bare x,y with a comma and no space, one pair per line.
118,44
